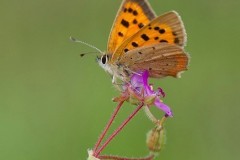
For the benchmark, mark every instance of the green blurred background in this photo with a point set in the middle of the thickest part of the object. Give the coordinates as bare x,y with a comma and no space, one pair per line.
54,104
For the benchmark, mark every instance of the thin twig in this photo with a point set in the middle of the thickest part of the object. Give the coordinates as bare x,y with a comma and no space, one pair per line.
107,126
150,157
118,130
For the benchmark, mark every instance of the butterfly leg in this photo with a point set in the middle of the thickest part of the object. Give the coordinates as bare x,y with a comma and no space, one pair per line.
114,79
117,84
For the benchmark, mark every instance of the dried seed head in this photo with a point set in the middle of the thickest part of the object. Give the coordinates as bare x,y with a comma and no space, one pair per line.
156,139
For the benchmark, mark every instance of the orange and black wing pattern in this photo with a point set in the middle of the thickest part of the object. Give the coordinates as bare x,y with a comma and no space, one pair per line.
132,16
167,28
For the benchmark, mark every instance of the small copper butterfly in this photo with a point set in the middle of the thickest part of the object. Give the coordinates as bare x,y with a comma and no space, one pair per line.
139,40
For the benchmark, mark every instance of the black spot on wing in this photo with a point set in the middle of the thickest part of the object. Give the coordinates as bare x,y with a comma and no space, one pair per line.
144,37
163,40
120,34
174,33
125,23
135,13
162,31
135,21
125,50
130,10
176,40
140,25
134,44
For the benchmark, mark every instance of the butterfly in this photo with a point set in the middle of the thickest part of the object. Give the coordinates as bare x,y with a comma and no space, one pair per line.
139,41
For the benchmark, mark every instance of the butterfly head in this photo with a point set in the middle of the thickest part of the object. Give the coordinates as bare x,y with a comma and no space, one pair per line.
103,61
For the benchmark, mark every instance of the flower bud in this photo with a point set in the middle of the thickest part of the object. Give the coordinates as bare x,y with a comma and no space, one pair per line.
156,138
133,100
149,100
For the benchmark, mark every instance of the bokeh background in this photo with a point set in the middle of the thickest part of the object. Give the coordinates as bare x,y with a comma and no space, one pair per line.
54,104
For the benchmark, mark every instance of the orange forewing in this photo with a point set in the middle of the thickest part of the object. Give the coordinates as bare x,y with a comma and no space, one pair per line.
131,17
167,28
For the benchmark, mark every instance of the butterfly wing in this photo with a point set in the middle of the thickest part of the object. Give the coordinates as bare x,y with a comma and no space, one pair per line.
160,60
167,28
131,17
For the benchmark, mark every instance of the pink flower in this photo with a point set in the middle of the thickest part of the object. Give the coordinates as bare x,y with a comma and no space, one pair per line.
140,87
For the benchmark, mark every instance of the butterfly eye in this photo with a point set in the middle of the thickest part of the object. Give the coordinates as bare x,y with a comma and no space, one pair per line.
104,59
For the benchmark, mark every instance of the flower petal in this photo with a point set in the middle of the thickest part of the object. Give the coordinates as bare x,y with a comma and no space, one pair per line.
163,107
139,83
136,81
160,92
146,86
145,78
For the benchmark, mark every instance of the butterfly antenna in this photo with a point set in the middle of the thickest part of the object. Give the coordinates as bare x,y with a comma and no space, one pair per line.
84,53
85,43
